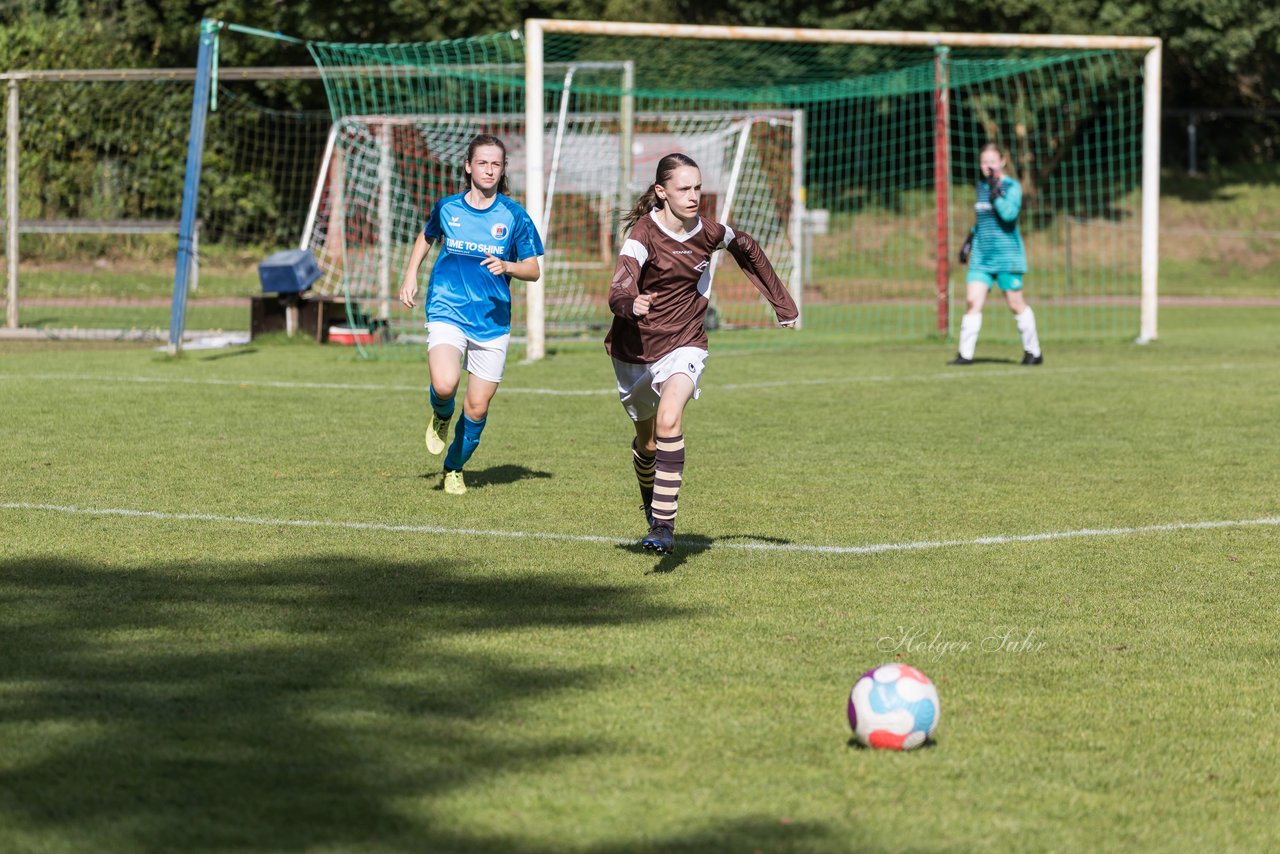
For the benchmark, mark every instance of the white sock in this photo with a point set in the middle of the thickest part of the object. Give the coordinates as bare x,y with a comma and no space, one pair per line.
1027,328
970,326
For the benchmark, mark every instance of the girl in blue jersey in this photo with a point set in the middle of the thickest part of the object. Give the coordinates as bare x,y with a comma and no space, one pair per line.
998,258
486,240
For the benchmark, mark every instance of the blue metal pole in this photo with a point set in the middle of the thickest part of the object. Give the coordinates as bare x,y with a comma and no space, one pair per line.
191,183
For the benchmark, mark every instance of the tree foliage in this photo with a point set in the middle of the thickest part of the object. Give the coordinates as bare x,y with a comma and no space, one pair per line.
1225,53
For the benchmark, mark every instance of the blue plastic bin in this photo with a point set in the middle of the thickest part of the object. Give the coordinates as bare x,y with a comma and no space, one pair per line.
289,271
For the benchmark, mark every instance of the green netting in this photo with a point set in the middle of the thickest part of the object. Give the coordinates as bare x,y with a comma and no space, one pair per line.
827,154
100,181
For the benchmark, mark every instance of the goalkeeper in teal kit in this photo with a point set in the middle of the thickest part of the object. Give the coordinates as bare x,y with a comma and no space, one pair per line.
487,239
998,259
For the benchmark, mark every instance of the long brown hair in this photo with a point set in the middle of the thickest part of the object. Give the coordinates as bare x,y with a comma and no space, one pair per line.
649,200
480,139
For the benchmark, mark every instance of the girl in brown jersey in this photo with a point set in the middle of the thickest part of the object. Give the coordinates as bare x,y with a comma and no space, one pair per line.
658,343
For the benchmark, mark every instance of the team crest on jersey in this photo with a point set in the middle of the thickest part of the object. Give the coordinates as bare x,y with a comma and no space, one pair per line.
499,231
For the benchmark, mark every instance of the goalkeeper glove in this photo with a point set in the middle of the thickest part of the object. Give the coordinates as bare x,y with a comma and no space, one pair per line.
994,184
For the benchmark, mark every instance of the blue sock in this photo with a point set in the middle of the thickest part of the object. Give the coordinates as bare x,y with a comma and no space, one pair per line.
441,407
466,436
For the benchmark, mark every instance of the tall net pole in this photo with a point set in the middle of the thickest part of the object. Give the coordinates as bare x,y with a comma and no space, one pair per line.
11,208
942,183
191,184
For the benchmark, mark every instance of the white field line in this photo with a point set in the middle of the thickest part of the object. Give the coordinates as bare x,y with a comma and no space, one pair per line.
849,379
878,548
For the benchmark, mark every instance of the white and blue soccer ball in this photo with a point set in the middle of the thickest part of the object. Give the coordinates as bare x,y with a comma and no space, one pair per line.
893,706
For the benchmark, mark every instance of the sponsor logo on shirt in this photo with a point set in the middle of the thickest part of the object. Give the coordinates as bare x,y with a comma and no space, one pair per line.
453,222
499,231
453,244
681,251
703,265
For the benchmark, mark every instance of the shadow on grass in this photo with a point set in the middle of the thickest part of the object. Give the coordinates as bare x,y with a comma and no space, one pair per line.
492,476
317,704
929,744
688,545
988,360
229,353
759,833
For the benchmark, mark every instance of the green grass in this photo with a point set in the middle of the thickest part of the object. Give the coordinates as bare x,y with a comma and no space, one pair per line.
124,317
130,282
213,677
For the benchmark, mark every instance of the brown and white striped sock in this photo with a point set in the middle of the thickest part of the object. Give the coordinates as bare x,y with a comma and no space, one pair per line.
667,478
644,466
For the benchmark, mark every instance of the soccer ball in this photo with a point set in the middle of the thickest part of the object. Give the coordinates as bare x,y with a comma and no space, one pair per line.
893,706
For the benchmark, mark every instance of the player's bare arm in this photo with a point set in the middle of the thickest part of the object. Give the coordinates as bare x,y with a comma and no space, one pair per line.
409,287
527,270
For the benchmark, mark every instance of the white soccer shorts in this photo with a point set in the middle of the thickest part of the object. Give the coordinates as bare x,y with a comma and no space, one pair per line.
484,359
640,386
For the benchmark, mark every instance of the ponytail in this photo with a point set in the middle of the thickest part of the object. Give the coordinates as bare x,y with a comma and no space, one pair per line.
647,202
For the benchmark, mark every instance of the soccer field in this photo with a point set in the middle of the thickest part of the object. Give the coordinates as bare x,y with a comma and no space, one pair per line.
238,612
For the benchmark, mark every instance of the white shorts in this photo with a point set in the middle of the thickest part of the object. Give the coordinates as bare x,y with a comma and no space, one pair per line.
484,359
640,386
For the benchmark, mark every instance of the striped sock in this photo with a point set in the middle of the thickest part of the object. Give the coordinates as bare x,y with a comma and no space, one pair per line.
644,466
667,478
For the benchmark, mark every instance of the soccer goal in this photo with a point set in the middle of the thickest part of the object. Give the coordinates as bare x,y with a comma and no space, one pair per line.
380,175
893,123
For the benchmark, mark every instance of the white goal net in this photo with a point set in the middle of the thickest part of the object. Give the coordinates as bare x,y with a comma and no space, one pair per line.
381,174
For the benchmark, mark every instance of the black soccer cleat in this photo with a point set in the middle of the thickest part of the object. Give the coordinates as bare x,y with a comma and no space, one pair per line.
648,514
661,539
1028,359
960,360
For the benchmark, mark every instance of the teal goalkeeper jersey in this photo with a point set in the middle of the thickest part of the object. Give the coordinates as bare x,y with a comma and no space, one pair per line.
997,245
462,291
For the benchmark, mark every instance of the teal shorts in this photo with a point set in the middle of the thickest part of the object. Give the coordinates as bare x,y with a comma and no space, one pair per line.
1006,281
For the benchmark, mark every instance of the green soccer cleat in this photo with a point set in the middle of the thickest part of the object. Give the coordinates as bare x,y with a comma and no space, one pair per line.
453,483
436,431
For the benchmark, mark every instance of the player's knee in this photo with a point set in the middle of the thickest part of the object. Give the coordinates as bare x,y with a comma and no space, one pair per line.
668,424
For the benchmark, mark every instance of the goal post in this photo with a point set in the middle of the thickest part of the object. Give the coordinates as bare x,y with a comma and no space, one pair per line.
1068,108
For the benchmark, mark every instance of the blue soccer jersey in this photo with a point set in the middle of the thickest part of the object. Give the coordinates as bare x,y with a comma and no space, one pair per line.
997,245
462,291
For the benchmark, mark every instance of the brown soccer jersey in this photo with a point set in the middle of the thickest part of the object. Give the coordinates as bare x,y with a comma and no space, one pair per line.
675,270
